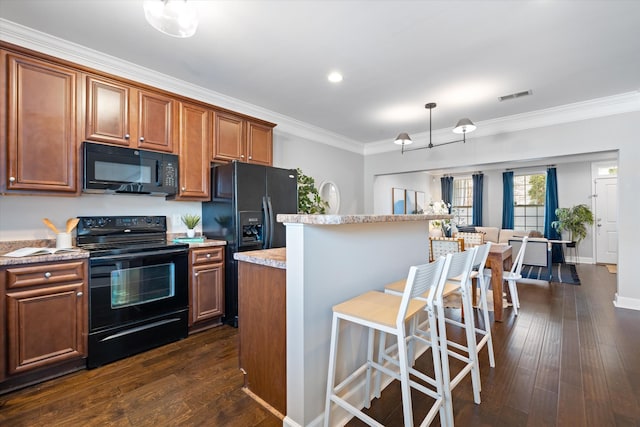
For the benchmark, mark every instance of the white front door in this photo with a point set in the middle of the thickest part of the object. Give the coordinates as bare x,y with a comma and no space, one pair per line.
606,219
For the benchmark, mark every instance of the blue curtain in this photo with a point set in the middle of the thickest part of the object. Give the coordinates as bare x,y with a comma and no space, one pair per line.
477,199
507,200
550,206
446,187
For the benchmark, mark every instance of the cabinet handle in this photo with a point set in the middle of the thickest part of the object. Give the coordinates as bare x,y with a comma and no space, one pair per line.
47,275
12,179
142,139
208,255
183,188
79,294
250,157
242,156
196,274
127,136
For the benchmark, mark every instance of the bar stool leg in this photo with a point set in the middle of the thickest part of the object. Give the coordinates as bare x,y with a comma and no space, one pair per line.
331,376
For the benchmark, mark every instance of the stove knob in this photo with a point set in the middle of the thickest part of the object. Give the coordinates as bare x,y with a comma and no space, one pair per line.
101,222
88,222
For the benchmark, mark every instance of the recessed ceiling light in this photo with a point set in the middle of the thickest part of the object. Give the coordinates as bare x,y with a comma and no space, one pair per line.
334,77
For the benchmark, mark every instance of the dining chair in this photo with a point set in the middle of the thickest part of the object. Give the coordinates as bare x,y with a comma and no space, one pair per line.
439,246
470,238
389,314
513,275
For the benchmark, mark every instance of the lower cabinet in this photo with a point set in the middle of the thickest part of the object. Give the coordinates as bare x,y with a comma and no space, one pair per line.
206,287
46,316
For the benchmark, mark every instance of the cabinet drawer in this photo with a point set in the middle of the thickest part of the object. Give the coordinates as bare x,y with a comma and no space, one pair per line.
45,274
207,255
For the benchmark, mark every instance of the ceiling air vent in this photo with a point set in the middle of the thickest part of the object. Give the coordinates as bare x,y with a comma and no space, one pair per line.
515,95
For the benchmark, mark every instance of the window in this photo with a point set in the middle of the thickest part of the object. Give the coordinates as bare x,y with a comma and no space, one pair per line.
462,206
528,197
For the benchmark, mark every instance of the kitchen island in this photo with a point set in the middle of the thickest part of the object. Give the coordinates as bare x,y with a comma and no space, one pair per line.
329,259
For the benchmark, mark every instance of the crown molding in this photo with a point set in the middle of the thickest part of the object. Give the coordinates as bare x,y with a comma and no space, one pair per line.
45,43
594,108
54,46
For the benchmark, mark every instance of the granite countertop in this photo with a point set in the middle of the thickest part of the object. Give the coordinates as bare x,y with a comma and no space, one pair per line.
207,243
62,256
354,219
276,258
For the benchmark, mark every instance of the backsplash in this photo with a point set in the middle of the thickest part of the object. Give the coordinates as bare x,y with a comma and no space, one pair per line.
21,216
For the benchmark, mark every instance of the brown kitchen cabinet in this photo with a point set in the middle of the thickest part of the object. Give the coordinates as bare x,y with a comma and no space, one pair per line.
122,114
42,126
206,287
238,138
46,315
194,153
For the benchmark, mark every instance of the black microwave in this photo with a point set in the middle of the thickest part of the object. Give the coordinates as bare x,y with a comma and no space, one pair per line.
109,169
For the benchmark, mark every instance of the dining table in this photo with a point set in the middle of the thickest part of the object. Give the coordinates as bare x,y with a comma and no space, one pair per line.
498,260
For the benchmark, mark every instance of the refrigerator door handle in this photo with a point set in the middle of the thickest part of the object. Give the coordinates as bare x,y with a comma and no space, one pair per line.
271,222
266,227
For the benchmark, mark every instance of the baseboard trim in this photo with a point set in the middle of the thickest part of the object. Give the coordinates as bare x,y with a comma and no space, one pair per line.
625,302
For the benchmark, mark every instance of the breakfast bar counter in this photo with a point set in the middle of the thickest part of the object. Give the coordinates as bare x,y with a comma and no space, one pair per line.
329,259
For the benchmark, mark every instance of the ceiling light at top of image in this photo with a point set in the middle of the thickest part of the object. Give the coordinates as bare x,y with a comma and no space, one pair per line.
334,77
176,18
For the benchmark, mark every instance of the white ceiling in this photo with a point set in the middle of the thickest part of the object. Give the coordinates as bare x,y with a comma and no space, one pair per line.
395,55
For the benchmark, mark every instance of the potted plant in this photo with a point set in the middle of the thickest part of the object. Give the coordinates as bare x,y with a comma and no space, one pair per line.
574,220
191,221
309,200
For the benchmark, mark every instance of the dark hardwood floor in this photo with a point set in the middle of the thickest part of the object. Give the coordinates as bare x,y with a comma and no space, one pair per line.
570,358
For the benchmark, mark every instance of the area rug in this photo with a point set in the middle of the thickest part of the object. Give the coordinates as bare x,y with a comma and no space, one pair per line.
560,273
565,273
613,268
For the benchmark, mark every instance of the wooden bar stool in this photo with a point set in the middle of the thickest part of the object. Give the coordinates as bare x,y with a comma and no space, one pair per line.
389,314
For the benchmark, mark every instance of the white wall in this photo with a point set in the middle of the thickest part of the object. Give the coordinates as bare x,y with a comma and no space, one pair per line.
323,163
383,186
610,133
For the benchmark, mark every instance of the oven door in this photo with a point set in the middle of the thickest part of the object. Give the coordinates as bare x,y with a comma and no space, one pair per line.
128,288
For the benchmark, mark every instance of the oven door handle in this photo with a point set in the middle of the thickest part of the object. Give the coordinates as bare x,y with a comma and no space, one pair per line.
129,255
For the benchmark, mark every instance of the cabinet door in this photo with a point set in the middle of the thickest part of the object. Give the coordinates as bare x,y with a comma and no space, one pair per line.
155,122
194,153
207,291
228,138
108,112
259,143
41,126
44,326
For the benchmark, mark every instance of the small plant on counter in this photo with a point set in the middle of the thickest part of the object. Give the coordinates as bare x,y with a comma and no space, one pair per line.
191,221
309,200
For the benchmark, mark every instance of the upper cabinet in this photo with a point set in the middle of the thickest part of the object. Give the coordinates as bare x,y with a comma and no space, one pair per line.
50,106
42,126
194,152
122,114
259,143
239,138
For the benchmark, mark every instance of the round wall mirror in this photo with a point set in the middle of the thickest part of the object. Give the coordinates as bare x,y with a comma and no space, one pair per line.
330,194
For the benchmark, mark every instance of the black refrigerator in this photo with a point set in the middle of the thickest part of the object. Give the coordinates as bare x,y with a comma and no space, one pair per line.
245,201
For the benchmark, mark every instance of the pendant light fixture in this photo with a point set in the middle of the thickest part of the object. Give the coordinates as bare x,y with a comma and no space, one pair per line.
176,18
463,126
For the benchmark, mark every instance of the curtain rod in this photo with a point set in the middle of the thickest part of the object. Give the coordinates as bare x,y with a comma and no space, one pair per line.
462,174
530,167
